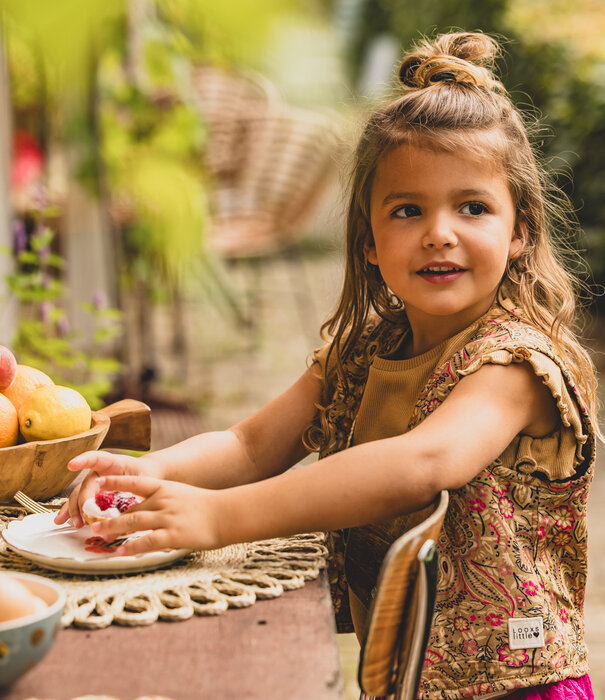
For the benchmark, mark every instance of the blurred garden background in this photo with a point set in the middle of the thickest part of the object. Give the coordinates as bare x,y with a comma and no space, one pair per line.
171,182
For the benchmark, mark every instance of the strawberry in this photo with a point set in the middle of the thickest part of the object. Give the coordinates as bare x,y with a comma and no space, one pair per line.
105,499
125,500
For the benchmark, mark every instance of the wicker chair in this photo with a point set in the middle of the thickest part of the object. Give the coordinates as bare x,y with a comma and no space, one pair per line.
267,165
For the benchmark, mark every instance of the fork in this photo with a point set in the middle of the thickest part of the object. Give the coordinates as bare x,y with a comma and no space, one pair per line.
29,504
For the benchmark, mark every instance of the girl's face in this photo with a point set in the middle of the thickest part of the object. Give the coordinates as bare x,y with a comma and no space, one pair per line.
443,228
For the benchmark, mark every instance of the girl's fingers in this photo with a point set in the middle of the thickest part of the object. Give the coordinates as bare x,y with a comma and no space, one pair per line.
144,486
74,507
125,524
91,460
102,462
63,514
153,542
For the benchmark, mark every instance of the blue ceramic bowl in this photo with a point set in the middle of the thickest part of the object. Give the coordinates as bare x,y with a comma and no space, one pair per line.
24,641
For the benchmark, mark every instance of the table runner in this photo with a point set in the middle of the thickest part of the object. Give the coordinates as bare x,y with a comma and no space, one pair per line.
109,697
202,583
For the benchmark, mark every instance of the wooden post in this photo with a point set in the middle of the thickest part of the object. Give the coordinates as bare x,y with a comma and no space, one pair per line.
87,249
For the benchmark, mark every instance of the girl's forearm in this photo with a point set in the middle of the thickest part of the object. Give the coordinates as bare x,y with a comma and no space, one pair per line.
350,488
214,460
265,444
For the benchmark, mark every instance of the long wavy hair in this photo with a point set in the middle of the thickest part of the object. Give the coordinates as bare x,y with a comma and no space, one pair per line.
451,102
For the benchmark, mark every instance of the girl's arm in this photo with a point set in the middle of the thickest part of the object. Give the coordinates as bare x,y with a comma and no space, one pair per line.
263,445
369,482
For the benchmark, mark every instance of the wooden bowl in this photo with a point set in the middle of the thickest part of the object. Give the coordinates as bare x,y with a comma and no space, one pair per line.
39,468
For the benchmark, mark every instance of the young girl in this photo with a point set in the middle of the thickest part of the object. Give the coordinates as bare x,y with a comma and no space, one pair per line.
453,365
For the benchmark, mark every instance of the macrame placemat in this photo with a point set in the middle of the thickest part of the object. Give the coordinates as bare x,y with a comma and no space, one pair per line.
202,583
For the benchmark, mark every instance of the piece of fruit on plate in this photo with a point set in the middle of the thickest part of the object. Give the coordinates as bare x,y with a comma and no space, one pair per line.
107,504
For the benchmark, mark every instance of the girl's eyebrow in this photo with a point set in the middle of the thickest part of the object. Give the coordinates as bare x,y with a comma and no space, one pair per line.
475,193
392,196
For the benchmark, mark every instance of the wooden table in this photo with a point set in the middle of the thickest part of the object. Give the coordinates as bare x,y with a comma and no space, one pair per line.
279,649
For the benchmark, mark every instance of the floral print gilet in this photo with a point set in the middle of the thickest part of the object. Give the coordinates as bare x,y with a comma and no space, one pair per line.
513,544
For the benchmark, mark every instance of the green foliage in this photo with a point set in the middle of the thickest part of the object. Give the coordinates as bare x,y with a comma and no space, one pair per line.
151,150
233,32
43,338
56,39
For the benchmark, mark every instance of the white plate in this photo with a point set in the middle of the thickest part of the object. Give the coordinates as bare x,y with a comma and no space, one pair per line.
63,548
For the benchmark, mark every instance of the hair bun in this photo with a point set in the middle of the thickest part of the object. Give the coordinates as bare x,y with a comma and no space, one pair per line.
464,57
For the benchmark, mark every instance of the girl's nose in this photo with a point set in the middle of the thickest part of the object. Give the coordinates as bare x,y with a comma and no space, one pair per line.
439,233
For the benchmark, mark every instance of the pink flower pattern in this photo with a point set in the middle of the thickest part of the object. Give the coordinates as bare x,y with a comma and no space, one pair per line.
469,646
506,507
530,588
493,619
512,657
476,504
461,624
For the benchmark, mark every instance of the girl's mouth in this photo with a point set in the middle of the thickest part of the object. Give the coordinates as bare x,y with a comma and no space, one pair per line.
441,274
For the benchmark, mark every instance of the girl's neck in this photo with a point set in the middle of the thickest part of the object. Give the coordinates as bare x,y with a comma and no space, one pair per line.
415,345
427,333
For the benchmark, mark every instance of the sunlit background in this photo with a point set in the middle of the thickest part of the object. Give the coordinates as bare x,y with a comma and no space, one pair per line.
171,177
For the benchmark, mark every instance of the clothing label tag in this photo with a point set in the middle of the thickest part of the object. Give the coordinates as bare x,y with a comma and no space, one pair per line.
525,632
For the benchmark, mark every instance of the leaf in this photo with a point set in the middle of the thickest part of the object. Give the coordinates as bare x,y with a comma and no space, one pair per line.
26,257
55,261
42,239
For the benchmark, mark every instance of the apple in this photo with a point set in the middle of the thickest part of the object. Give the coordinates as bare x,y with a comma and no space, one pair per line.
8,367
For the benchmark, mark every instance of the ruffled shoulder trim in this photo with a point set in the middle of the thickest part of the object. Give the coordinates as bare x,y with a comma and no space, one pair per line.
503,338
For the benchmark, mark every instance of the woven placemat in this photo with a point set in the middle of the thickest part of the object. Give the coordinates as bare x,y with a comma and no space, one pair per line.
202,583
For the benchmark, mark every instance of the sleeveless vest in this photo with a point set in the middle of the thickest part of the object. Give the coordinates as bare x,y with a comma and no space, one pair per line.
513,544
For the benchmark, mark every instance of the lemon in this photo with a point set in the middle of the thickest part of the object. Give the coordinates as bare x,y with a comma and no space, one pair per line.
52,412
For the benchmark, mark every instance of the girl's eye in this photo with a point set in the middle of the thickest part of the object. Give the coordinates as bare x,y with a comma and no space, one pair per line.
407,211
474,209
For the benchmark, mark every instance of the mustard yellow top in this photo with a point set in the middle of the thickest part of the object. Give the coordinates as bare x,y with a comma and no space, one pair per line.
393,387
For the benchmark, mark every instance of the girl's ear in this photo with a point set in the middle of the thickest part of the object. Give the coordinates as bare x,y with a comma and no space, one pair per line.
369,250
519,239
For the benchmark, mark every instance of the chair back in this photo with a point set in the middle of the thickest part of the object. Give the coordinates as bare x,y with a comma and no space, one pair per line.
267,162
400,617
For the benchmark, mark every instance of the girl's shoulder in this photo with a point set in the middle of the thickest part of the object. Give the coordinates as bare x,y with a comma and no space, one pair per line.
504,337
505,329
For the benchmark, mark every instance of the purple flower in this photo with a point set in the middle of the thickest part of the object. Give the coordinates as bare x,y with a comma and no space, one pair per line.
45,309
62,326
19,237
99,300
45,281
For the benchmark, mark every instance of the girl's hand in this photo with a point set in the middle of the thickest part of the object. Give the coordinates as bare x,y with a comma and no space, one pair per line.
99,463
178,515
